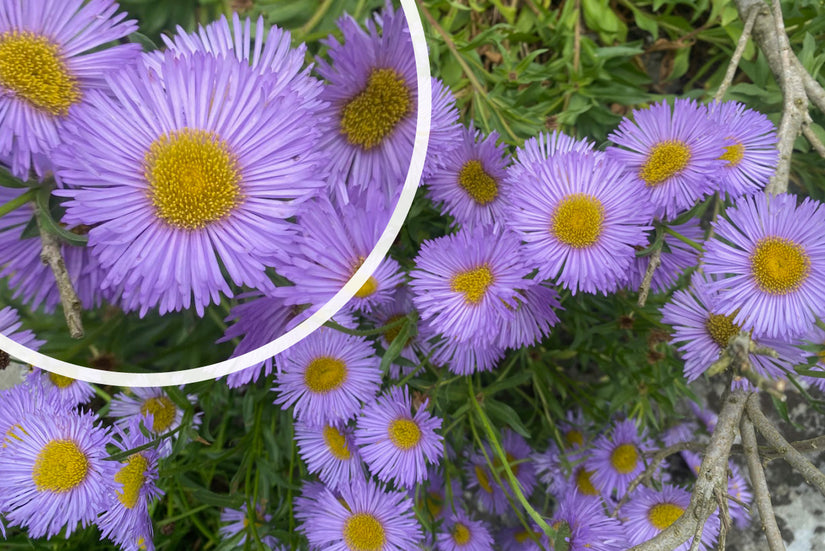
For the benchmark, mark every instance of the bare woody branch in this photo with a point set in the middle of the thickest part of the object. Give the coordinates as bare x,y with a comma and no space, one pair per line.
737,53
50,255
647,280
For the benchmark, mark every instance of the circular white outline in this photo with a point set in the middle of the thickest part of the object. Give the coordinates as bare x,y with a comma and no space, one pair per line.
358,279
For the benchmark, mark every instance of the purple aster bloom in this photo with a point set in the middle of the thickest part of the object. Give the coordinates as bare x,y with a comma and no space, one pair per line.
674,153
740,490
23,400
590,527
816,337
770,257
373,97
575,429
482,481
70,392
549,468
364,516
581,221
650,512
54,472
436,498
534,316
460,533
750,153
536,151
10,326
329,451
162,415
469,182
517,538
465,357
396,443
183,185
418,345
676,257
333,244
616,460
704,335
307,505
46,68
133,488
326,376
235,525
465,284
704,414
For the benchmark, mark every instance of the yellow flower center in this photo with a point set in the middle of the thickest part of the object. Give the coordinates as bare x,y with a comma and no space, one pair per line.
584,484
624,458
524,535
325,374
733,154
404,433
477,183
577,220
336,442
364,532
374,113
779,265
32,68
483,479
473,283
60,381
574,436
369,287
663,515
721,328
194,179
434,502
461,534
665,160
132,476
163,412
61,466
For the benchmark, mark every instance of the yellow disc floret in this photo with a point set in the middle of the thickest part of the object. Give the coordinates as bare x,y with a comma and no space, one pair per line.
60,467
364,532
60,381
374,113
663,515
325,374
194,178
473,283
721,328
665,160
461,534
479,185
32,68
779,265
624,458
577,220
163,412
336,442
733,154
132,476
404,433
584,484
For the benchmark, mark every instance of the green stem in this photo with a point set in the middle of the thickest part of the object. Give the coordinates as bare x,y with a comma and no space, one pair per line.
366,332
18,201
316,17
683,239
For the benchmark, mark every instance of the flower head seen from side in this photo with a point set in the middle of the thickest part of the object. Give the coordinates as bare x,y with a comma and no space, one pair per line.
769,258
397,443
651,511
591,529
533,317
617,459
751,151
674,152
326,376
235,525
330,451
133,488
703,335
187,183
47,67
55,472
365,516
71,392
676,257
581,221
464,285
460,533
469,181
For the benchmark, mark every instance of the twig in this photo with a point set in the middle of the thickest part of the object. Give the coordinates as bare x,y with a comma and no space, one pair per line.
644,289
760,485
724,518
768,454
737,53
794,458
700,527
813,140
577,37
50,254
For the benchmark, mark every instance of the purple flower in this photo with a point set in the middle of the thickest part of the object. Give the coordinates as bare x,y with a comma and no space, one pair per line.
465,357
492,496
235,524
676,257
590,527
536,151
400,307
10,326
616,460
675,153
70,392
395,443
581,221
534,316
460,533
769,256
329,451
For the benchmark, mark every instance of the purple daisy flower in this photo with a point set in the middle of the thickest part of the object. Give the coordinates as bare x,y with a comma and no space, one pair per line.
235,525
54,472
673,152
47,67
750,153
182,185
333,244
465,284
581,221
590,527
481,480
517,538
20,401
329,451
534,316
133,488
10,326
536,151
71,392
469,183
396,443
770,257
464,357
704,335
616,460
307,505
549,468
650,512
436,499
460,533
372,95
676,257
418,345
326,376
364,516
